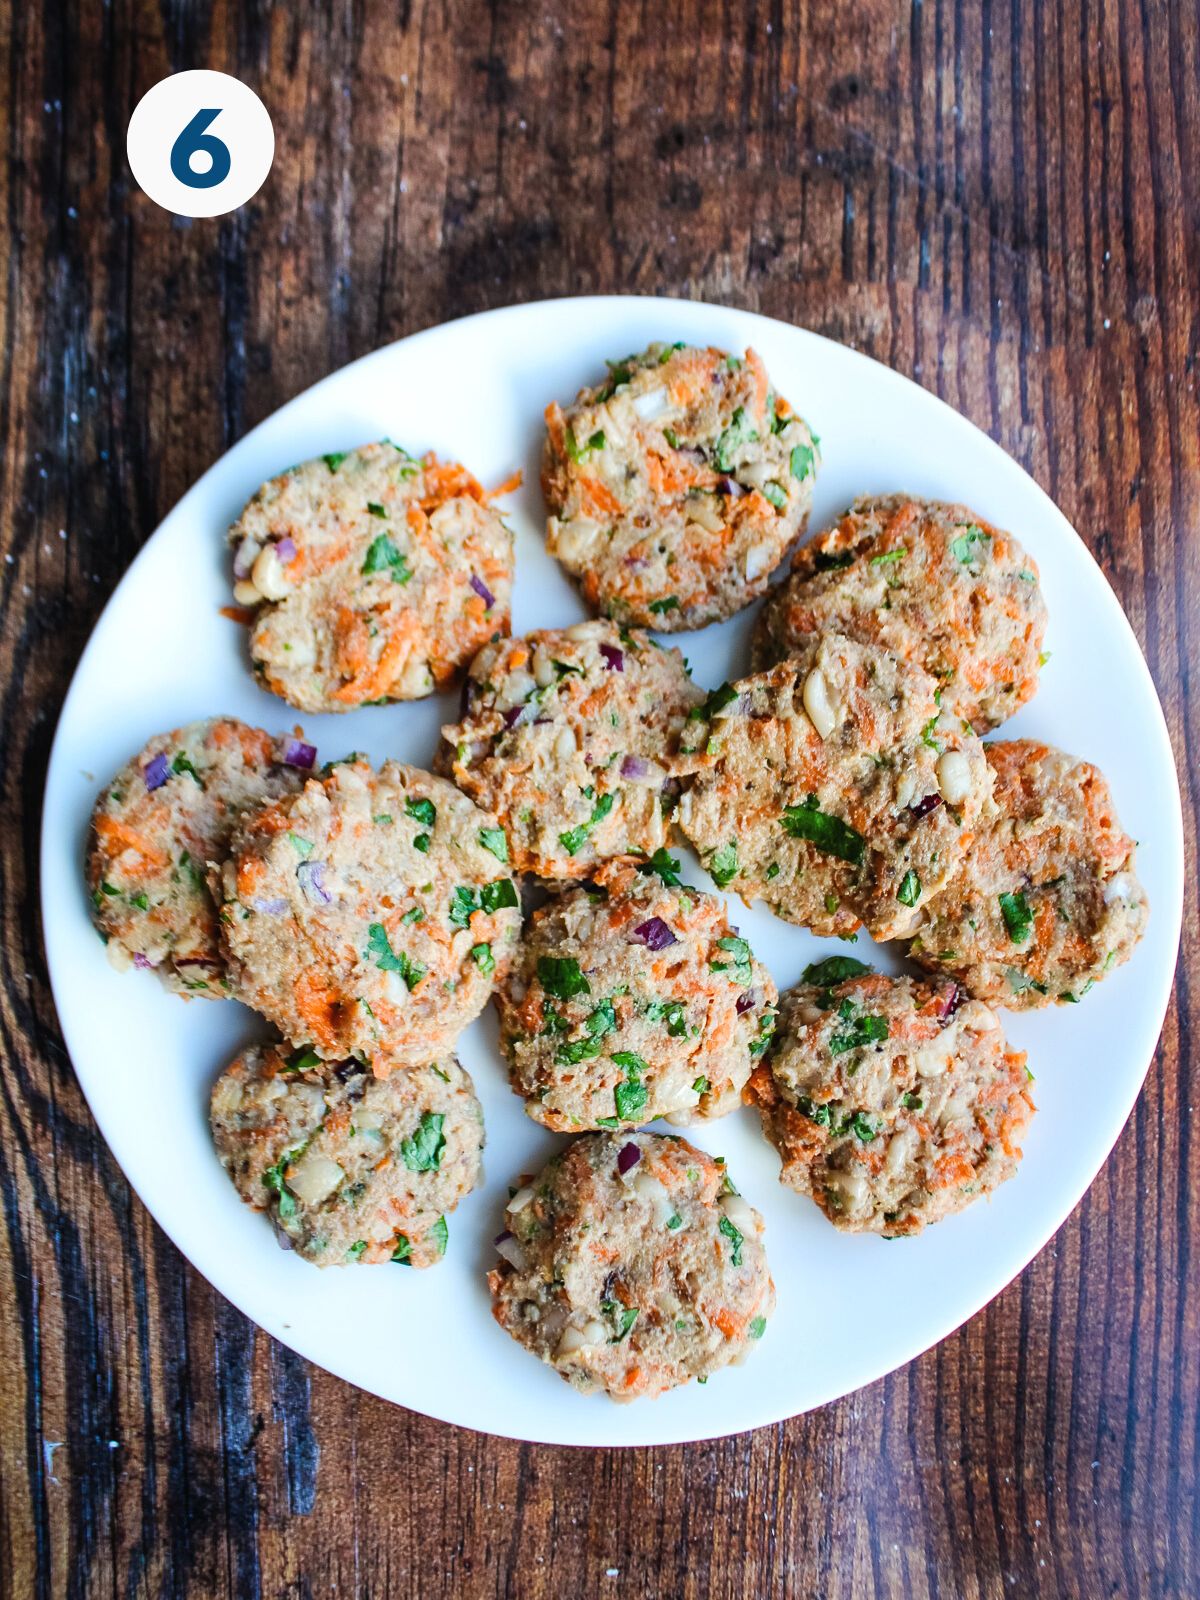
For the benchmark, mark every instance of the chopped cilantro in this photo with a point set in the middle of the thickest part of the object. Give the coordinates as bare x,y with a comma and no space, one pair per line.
776,495
580,452
666,865
913,1102
483,958
573,839
301,846
384,556
602,1020
860,1126
963,548
739,432
182,764
758,1326
334,459
909,891
402,1249
463,902
387,960
423,811
355,1252
376,509
700,1086
863,1031
886,557
1018,918
498,895
716,702
736,1239
494,839
739,968
834,969
422,1151
440,1235
561,976
631,1094
723,865
669,602
801,460
829,834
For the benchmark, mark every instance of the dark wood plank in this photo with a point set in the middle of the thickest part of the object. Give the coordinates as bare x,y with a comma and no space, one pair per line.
998,197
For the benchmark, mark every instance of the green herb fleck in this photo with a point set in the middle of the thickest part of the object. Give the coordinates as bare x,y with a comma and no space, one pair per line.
909,891
735,1238
723,865
1018,918
562,977
422,1151
494,839
829,834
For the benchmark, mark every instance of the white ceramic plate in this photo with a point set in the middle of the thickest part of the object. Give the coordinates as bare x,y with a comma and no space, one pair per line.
849,1308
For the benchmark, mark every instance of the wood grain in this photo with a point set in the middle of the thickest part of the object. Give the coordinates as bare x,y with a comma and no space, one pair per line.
1000,198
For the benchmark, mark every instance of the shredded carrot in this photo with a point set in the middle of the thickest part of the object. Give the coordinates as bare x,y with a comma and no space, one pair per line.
113,831
510,484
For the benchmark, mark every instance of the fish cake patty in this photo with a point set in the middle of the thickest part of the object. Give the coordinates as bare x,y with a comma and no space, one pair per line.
631,1265
893,1102
571,737
631,1001
371,576
677,486
156,828
370,914
933,584
351,1168
1048,901
833,787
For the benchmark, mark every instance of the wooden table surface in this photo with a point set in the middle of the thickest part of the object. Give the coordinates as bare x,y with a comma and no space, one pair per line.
999,198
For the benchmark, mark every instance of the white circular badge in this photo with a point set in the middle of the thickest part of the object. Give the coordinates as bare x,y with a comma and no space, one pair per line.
200,143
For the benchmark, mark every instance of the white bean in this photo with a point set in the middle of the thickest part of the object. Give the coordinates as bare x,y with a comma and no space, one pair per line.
954,777
268,575
816,703
740,1212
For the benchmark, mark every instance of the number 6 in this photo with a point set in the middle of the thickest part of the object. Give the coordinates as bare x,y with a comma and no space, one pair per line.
194,138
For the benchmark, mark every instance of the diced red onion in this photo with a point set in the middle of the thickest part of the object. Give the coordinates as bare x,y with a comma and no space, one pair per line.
482,590
950,1001
509,1246
272,908
311,877
244,557
298,754
144,962
731,487
614,659
156,771
922,807
512,716
654,934
286,550
628,1156
746,1002
281,1238
634,767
